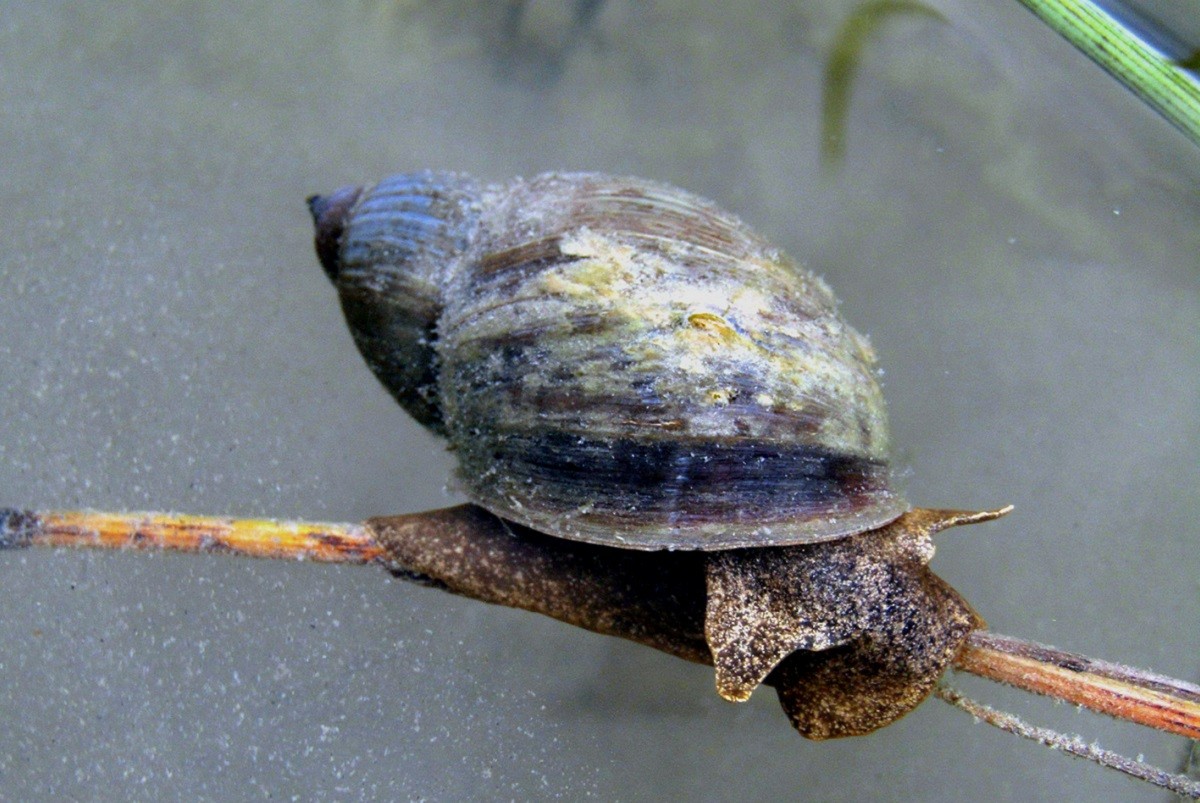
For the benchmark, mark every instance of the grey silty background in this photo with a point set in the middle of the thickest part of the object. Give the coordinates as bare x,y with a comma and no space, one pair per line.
1016,233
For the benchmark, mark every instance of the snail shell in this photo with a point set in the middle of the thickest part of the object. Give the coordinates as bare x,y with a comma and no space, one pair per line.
614,360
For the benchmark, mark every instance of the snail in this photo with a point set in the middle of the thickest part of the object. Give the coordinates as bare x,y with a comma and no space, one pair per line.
620,363
614,360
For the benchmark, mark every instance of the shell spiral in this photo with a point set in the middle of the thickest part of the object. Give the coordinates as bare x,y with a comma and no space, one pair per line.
614,360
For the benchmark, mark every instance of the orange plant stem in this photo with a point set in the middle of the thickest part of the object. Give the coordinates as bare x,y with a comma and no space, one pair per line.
1130,694
1119,691
329,543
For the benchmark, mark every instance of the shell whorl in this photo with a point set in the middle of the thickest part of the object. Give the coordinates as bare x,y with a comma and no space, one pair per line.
389,249
617,361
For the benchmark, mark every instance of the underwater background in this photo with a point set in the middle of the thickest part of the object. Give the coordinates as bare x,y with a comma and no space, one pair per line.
1016,234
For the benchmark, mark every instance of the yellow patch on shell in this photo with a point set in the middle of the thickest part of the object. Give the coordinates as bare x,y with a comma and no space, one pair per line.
720,397
705,334
709,332
589,246
609,273
603,269
710,322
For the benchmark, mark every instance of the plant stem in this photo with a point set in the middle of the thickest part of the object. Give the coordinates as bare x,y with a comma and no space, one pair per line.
1119,691
1073,745
1164,85
254,538
1123,692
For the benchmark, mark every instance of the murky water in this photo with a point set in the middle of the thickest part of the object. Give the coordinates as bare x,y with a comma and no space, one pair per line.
1016,233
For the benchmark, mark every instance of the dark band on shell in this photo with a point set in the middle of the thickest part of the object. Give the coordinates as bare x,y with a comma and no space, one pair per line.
614,360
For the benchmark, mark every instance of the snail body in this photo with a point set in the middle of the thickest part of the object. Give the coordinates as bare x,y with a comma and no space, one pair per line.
614,360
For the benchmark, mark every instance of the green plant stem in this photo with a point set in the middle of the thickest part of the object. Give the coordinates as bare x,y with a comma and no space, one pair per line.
1162,84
